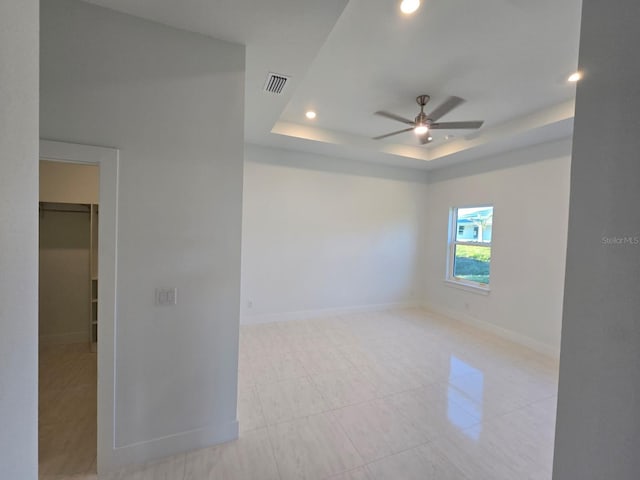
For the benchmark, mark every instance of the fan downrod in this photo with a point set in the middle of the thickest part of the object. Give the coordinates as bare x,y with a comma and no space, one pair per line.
421,118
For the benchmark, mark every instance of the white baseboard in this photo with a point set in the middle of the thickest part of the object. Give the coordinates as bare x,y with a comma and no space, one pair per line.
323,312
64,338
157,448
515,337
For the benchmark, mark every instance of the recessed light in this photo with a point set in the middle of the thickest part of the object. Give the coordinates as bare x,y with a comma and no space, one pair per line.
574,77
409,6
310,114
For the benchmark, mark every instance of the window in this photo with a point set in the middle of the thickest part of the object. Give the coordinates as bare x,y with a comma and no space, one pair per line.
470,245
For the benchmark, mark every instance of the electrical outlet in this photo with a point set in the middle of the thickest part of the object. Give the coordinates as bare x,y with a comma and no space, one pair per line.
249,304
166,296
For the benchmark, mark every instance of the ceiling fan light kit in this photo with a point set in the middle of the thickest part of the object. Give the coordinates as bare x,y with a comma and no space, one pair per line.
575,77
423,123
409,6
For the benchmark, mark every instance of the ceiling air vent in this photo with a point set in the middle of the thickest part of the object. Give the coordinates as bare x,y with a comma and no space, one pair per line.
275,83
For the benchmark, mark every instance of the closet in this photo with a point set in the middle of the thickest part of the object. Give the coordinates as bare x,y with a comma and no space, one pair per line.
69,225
69,273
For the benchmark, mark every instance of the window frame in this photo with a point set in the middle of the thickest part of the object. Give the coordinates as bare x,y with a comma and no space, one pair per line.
451,251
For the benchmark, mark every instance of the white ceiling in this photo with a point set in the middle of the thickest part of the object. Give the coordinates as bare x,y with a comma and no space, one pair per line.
508,58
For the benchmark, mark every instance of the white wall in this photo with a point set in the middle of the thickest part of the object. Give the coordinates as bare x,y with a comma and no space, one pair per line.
19,239
529,190
321,233
172,102
68,182
598,423
63,279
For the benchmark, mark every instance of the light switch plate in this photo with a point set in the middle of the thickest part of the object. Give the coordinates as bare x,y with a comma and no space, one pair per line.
166,296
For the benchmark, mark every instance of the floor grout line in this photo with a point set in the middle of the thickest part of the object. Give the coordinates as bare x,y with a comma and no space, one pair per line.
272,449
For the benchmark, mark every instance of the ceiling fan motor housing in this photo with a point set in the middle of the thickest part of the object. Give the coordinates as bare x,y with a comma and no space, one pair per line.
422,119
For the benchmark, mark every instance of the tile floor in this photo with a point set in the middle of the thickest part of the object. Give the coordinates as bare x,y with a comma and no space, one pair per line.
67,411
397,395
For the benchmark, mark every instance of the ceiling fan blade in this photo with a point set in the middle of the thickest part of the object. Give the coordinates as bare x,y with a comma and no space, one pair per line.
393,116
444,108
453,125
393,133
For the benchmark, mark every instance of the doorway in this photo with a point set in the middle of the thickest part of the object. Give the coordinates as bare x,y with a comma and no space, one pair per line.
68,318
70,357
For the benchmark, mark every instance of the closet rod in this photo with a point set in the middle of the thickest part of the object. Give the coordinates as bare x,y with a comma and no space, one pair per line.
64,207
62,211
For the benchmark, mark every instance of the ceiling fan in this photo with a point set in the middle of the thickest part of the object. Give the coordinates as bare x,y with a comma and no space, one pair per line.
424,123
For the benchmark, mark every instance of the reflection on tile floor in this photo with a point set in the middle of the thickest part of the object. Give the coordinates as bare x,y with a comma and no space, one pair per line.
380,396
67,412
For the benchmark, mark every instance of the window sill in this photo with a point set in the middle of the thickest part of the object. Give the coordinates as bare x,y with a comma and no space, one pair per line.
468,287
